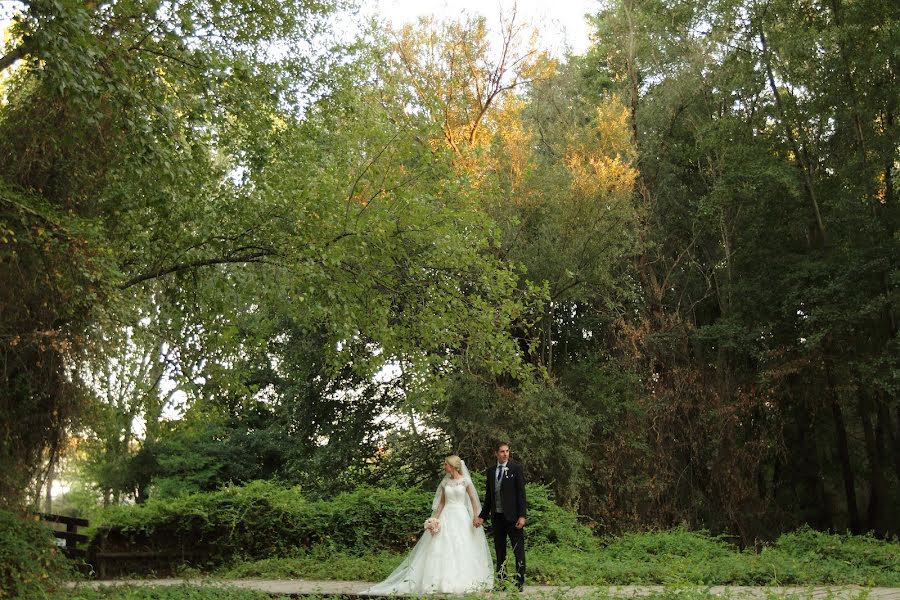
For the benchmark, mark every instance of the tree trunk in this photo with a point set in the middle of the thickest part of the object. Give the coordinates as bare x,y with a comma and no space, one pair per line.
550,338
801,157
883,439
875,520
896,441
48,496
811,473
890,204
846,466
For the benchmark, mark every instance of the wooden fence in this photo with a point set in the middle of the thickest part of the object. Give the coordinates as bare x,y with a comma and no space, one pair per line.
116,555
70,538
112,555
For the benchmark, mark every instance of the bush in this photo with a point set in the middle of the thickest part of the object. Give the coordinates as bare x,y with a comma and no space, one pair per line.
30,563
267,530
671,556
807,554
549,524
264,520
679,556
675,557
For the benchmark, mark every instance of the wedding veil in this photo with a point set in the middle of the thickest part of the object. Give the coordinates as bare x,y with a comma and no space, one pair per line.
466,475
430,552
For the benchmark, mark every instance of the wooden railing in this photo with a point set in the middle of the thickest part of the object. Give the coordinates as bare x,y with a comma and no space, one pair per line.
97,559
112,558
70,537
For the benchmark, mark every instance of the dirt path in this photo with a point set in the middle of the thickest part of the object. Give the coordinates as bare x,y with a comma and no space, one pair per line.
303,587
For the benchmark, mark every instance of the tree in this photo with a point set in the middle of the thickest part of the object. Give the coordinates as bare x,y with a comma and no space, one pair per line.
753,271
193,156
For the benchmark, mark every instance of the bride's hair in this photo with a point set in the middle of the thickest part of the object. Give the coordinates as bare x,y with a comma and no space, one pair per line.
455,462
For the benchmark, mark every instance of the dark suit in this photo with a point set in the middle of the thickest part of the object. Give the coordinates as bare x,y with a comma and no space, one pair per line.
513,504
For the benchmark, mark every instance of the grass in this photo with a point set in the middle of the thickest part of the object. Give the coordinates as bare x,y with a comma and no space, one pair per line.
318,564
263,529
179,592
673,557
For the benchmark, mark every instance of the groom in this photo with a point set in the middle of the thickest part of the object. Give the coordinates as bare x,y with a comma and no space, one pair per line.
504,503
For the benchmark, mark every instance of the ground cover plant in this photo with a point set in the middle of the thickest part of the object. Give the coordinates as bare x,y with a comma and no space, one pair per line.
271,531
30,563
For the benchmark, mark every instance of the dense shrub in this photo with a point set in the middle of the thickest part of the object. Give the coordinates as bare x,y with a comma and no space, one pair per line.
265,530
807,554
679,556
549,524
674,557
30,563
264,520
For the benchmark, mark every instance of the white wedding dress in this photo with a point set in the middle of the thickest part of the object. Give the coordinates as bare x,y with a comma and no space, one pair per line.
455,560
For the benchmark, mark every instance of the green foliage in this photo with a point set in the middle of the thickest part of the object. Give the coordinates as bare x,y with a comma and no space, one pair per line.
239,439
238,206
318,562
674,557
265,530
764,337
209,455
175,592
679,556
551,525
148,96
547,429
666,271
264,519
807,554
30,563
52,273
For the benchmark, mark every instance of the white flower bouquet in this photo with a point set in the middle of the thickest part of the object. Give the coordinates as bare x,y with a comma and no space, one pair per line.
432,525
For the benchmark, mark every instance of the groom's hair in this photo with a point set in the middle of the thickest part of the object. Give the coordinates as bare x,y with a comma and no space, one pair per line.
499,445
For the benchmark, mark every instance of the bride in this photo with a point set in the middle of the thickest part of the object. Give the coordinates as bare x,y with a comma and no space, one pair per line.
454,558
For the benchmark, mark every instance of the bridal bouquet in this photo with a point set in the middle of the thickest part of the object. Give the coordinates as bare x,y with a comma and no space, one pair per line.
432,525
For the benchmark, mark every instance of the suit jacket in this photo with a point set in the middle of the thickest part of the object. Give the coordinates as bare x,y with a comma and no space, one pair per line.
512,493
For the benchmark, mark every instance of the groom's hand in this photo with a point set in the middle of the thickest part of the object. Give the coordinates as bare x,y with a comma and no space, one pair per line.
477,521
520,523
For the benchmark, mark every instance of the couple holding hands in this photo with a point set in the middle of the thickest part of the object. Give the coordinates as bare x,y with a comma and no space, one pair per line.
452,555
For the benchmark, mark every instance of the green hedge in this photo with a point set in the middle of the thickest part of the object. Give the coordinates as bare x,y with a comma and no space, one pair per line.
264,520
30,563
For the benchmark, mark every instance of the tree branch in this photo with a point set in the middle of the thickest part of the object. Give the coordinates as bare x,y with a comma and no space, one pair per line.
13,56
185,266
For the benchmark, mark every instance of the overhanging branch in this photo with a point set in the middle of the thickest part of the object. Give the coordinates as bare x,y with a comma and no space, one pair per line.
12,57
196,264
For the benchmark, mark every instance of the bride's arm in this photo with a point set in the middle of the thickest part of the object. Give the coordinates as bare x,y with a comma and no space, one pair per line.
440,506
471,489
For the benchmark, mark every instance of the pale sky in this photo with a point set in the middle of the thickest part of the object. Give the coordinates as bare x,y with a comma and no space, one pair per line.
561,22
